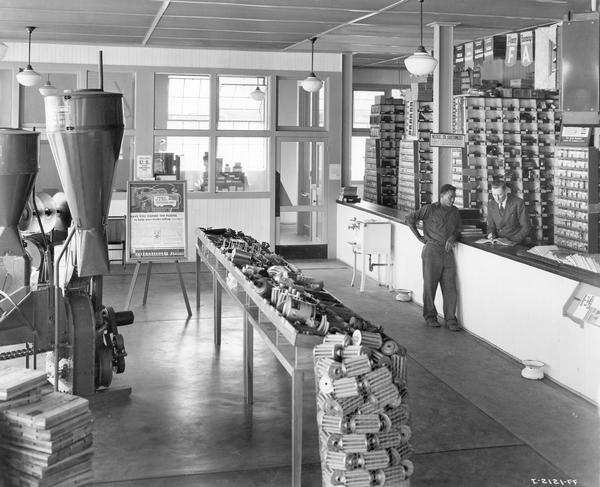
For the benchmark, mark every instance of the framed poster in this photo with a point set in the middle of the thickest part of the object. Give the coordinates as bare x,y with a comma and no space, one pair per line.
156,221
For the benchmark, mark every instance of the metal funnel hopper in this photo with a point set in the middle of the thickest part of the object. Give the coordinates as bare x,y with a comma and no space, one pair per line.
85,130
18,168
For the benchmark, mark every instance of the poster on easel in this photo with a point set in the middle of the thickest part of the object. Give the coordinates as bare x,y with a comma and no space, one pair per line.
156,221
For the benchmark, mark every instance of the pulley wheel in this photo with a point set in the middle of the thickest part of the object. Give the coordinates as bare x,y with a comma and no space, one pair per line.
104,365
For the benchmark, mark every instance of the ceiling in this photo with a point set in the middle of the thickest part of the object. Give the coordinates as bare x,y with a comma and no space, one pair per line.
380,33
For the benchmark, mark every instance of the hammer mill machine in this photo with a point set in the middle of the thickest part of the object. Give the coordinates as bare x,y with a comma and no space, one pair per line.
61,309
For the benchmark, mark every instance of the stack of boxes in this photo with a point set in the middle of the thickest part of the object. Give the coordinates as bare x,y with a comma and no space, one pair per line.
45,438
382,147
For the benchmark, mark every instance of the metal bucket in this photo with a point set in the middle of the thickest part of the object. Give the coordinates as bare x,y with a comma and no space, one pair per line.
18,168
85,131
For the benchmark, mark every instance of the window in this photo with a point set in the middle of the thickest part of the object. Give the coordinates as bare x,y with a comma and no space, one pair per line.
298,108
361,107
362,100
182,157
357,167
237,110
182,101
242,163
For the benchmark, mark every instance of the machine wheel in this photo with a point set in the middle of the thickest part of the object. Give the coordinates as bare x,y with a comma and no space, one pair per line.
104,369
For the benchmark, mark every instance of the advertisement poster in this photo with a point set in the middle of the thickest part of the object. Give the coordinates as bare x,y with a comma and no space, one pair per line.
143,168
156,221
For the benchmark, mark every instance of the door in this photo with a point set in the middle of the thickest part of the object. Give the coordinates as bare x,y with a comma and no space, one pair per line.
300,199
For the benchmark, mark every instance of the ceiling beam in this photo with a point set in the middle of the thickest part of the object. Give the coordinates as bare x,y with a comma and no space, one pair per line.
350,22
157,17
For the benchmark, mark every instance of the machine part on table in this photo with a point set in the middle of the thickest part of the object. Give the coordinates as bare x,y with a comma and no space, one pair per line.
18,168
398,415
295,309
339,338
85,129
334,424
350,443
240,258
330,368
376,459
370,423
367,339
354,350
380,360
344,461
390,347
394,474
370,405
357,365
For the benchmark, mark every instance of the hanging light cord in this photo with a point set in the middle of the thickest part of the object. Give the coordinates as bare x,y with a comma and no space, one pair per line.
30,30
312,54
421,24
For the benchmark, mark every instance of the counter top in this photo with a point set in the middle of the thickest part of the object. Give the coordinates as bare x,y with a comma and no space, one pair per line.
517,253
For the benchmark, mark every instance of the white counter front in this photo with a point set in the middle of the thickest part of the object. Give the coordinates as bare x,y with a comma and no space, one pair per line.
514,306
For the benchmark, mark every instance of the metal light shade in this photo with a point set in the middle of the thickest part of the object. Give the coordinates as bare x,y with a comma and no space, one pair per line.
48,89
420,63
28,77
311,83
18,168
257,94
85,130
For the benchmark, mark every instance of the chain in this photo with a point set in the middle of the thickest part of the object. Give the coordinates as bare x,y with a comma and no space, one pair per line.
23,352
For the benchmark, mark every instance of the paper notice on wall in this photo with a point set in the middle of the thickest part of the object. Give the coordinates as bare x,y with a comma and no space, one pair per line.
335,172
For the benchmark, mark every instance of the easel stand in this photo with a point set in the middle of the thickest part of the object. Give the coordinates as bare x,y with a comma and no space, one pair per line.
148,274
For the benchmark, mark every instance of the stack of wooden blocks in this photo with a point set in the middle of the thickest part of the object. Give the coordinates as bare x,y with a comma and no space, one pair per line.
45,438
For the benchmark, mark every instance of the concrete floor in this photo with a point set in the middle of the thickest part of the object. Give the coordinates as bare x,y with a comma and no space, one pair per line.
475,421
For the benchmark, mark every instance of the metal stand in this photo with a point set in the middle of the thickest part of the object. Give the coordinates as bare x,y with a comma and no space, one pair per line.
138,264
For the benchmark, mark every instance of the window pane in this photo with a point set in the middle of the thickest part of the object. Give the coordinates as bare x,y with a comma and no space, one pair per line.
357,167
298,108
361,108
237,110
181,101
182,158
241,164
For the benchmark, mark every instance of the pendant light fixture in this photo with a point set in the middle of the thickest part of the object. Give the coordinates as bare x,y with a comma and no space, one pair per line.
420,63
48,89
311,83
27,76
257,94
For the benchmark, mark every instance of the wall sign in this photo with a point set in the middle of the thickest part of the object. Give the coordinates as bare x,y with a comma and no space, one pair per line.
446,140
469,55
526,39
156,221
512,45
478,51
573,135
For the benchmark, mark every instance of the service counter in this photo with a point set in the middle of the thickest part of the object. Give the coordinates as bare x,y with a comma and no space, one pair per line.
507,298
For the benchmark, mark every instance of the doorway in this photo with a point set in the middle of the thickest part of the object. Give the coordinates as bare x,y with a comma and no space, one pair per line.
300,211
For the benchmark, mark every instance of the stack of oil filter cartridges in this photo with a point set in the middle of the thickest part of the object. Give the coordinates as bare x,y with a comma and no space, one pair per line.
361,410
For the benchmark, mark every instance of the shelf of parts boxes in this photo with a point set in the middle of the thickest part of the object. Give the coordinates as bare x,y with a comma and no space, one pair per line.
381,150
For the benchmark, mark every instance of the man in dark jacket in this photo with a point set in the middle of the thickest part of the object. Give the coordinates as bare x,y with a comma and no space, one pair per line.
441,228
506,215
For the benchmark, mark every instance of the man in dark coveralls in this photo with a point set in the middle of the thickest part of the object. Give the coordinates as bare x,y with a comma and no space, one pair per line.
441,228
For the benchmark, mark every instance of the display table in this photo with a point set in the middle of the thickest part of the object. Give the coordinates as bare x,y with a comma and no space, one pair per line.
291,348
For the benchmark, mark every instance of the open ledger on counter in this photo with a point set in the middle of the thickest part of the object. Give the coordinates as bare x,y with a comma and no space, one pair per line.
495,241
